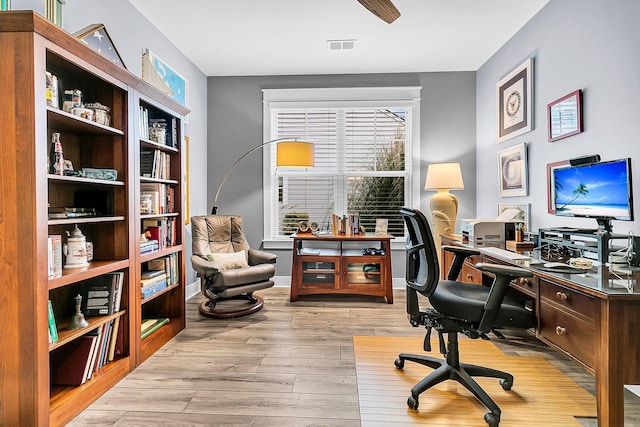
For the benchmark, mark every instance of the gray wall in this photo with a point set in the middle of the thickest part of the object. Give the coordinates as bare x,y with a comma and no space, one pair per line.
577,44
235,126
131,33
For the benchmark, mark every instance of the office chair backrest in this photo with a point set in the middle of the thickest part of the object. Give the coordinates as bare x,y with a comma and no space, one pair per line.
423,270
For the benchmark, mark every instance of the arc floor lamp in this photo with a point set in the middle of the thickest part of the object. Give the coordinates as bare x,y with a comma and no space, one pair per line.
290,153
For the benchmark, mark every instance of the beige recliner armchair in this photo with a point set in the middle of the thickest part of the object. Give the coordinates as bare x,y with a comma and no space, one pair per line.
228,268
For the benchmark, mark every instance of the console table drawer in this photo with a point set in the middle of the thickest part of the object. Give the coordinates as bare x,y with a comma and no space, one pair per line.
571,334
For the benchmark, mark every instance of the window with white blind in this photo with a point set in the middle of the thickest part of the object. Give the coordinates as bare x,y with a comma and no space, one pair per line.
364,152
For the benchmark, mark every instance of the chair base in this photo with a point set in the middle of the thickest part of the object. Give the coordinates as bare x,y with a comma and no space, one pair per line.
254,303
452,369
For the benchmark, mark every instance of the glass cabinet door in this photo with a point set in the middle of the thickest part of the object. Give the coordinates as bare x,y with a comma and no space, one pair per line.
320,273
363,273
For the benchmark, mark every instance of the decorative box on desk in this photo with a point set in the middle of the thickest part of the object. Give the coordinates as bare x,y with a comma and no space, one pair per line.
337,264
514,246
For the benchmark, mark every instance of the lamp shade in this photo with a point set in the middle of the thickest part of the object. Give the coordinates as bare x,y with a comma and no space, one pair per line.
442,176
295,154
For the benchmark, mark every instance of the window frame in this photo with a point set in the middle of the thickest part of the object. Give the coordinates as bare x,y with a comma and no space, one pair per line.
401,96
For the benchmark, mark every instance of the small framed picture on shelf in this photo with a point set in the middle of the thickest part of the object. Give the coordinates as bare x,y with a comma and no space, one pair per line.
381,226
564,116
551,184
512,171
514,102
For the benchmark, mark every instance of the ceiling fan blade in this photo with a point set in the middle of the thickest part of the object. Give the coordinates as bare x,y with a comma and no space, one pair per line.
383,9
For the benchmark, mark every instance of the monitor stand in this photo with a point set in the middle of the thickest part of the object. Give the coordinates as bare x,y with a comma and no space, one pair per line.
604,226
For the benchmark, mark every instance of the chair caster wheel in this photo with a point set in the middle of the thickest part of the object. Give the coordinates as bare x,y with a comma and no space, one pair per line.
506,384
399,363
412,402
492,419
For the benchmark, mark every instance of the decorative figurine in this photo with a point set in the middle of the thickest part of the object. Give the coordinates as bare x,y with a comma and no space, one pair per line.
78,320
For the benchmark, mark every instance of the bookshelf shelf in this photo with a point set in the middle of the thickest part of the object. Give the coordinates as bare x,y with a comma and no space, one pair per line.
40,59
65,336
82,180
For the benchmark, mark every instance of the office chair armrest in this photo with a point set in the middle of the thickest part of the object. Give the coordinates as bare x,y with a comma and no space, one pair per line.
261,257
504,275
203,267
458,259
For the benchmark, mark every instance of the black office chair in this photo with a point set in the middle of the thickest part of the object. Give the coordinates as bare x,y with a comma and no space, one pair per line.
471,309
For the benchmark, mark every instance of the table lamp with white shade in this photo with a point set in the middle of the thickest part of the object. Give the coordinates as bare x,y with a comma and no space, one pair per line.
443,177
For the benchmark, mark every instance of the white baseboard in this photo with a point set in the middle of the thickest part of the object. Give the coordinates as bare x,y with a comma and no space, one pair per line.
634,389
192,289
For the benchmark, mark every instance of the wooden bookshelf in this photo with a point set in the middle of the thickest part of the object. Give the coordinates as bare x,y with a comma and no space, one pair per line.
32,46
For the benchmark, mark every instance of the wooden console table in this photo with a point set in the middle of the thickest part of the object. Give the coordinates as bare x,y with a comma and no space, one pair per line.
335,264
592,318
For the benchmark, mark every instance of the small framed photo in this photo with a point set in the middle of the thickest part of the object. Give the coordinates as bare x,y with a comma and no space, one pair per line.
381,226
96,37
512,171
517,213
514,100
551,184
564,116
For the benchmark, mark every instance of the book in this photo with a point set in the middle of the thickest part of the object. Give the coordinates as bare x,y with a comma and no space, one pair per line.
149,274
94,354
54,255
154,327
98,295
117,298
70,363
53,329
114,336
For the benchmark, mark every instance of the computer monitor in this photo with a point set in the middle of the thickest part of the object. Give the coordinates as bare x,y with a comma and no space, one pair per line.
602,191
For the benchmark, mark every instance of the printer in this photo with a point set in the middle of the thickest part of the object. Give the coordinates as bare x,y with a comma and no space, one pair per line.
481,233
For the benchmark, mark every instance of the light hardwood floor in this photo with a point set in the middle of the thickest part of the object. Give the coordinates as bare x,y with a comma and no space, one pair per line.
291,364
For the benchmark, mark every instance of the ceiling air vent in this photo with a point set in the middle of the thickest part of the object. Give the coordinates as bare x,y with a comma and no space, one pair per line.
341,44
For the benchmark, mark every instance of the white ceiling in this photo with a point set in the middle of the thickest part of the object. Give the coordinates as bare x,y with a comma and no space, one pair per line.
286,37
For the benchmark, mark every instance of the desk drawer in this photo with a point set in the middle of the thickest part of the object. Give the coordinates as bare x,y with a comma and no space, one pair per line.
526,285
470,274
569,333
580,304
567,320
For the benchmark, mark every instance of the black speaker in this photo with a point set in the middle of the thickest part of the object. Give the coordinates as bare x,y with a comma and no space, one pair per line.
585,160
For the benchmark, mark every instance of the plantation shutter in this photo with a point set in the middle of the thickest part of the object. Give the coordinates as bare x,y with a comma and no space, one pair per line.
359,167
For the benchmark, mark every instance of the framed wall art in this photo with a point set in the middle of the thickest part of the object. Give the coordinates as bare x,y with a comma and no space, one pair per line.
96,37
514,100
158,73
551,185
520,213
512,171
564,116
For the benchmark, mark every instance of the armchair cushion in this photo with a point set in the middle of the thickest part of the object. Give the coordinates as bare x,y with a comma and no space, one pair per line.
228,261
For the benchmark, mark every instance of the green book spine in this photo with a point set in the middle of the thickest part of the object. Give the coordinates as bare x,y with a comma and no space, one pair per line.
158,325
53,330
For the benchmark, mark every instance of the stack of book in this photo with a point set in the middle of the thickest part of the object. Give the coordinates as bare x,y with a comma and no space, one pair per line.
149,326
152,281
149,246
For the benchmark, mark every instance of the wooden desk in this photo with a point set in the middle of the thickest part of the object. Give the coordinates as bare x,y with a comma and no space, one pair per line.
592,318
335,264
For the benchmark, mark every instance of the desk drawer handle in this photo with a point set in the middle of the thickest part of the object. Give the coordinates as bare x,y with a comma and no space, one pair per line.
524,282
561,296
469,276
561,330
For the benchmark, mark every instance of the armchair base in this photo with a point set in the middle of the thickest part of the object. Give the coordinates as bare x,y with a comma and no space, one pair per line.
254,303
